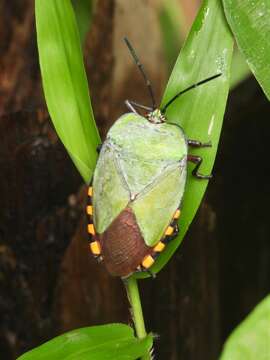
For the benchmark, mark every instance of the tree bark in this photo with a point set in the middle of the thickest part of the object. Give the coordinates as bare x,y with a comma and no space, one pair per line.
19,77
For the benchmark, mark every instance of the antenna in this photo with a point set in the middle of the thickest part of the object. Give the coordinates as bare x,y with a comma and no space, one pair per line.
141,68
163,110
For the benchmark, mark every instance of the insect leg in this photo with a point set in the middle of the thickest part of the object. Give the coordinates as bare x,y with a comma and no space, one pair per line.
153,275
149,272
130,104
197,160
130,107
99,148
198,144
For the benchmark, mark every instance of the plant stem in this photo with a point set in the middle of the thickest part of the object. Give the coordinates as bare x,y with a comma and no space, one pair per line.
136,309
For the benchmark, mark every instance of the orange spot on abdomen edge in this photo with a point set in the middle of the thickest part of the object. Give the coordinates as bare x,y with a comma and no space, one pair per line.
90,191
177,214
95,247
89,210
91,229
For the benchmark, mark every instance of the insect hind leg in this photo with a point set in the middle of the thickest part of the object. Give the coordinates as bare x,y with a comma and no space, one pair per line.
195,172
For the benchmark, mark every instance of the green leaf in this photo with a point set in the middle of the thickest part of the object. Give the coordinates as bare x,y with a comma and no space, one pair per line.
104,342
240,70
206,52
251,339
170,20
65,83
249,21
83,11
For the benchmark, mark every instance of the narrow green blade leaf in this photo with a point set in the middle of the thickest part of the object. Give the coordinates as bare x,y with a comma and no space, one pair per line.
207,51
104,342
83,11
65,83
169,20
249,21
251,339
240,70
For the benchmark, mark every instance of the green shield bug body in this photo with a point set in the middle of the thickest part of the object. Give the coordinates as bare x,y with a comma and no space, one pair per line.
138,186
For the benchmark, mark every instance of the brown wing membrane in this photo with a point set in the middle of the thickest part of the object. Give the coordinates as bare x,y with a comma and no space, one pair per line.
123,247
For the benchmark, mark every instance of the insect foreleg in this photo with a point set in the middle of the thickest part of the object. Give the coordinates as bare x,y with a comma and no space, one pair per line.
198,161
130,104
130,107
198,144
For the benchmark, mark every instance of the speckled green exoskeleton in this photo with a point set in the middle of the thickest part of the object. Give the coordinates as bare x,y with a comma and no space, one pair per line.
138,186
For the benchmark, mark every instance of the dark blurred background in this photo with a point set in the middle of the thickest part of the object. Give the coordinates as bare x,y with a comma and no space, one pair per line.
49,282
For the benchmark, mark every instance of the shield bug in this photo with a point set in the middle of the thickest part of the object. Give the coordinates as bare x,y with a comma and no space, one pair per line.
138,185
